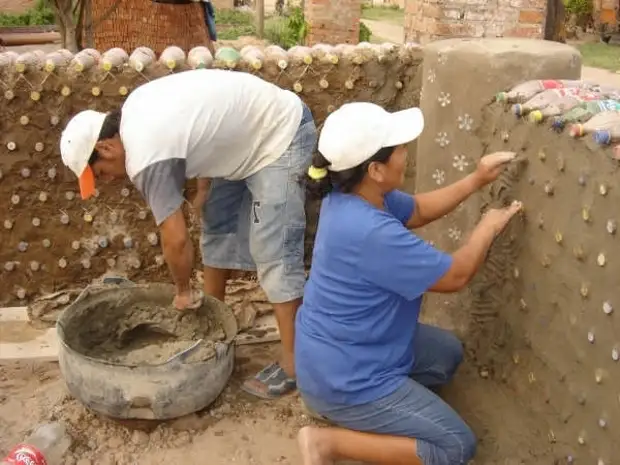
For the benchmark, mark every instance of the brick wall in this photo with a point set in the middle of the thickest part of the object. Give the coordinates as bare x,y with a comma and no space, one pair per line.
333,21
427,20
606,12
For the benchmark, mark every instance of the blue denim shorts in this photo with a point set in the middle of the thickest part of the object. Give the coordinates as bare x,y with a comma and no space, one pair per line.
414,411
258,223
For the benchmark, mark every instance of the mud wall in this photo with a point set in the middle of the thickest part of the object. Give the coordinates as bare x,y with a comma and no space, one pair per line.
540,314
51,239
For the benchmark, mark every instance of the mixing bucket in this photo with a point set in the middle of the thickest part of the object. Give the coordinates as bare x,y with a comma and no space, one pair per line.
155,392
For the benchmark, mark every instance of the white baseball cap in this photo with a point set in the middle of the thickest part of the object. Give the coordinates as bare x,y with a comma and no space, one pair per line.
356,131
77,143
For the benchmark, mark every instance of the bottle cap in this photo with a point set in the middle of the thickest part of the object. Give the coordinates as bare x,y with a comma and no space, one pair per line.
557,123
500,97
536,116
602,137
516,109
576,130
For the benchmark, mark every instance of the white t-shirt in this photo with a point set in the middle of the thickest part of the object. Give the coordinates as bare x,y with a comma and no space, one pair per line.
204,123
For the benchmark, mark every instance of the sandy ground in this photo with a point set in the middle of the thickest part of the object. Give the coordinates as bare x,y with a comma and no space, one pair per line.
237,429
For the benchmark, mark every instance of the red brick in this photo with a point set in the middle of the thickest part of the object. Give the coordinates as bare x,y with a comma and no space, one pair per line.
530,32
531,17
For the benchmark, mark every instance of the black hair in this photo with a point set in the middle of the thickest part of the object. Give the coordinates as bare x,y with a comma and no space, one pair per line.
346,180
110,128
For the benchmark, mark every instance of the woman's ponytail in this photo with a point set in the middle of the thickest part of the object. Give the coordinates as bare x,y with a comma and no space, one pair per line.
318,178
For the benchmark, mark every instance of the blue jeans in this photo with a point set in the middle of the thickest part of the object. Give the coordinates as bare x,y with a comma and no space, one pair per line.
259,223
414,411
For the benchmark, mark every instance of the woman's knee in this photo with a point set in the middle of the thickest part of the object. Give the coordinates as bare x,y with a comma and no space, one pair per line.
464,447
453,349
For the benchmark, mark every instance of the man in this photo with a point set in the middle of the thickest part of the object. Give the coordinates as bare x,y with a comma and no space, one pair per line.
253,140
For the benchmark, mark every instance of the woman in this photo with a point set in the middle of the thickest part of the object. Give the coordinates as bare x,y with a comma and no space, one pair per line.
363,360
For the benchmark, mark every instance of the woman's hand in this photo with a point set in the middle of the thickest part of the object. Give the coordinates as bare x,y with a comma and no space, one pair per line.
491,166
498,218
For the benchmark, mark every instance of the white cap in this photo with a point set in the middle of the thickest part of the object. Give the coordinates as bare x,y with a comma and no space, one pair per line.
77,143
357,131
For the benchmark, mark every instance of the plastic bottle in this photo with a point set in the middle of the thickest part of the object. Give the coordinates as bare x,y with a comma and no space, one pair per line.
141,58
543,99
85,59
584,111
8,58
253,56
529,89
350,52
603,120
45,446
275,53
325,53
172,57
29,61
301,53
58,59
228,56
609,134
199,57
563,105
114,58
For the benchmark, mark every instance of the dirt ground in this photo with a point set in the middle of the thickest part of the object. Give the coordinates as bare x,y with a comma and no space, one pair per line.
238,428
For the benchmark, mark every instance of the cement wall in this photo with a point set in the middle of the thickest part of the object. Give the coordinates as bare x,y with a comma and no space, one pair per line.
539,315
41,254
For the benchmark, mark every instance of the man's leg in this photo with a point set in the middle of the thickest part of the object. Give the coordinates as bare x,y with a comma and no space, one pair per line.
277,231
224,240
438,353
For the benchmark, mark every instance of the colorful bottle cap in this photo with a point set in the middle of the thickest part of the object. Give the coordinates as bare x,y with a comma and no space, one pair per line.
576,130
602,137
500,97
516,109
557,123
536,116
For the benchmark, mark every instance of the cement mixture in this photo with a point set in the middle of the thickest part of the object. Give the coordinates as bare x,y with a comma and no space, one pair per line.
146,333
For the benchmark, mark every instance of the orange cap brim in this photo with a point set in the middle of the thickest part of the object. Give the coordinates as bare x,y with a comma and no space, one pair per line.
87,183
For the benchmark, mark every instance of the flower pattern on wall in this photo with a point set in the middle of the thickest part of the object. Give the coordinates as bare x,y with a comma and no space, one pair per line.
439,176
442,139
465,122
460,162
454,234
444,99
431,76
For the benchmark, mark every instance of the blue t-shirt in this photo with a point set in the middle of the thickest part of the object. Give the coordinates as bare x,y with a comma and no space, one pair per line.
356,327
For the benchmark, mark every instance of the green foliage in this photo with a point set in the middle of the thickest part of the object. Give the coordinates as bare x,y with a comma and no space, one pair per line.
232,24
41,14
582,9
287,31
365,33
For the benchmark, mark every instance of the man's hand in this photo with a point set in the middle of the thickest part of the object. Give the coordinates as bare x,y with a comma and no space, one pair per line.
188,300
491,166
498,218
202,194
198,203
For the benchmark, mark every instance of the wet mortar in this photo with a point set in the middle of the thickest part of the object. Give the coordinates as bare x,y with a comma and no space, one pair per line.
144,333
